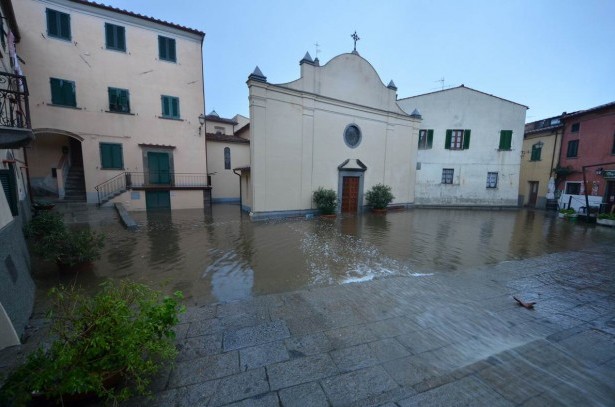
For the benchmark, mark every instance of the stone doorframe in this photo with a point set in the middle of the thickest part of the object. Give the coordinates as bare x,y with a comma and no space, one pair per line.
350,168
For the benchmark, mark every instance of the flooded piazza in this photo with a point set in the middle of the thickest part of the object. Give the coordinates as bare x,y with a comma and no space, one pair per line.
220,255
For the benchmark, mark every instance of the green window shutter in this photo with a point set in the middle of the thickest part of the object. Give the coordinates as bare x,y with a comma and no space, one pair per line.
105,156
447,140
117,156
52,23
505,139
162,54
69,93
165,109
171,49
65,26
113,103
175,107
7,178
57,96
121,38
430,138
124,101
466,139
109,37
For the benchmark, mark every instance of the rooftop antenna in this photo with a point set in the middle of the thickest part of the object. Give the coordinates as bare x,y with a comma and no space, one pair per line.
441,80
317,45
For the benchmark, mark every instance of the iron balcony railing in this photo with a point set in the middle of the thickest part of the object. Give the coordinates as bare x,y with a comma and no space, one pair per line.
14,106
148,180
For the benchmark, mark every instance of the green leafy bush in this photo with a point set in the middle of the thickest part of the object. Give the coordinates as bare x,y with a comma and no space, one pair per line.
123,332
569,211
608,216
379,196
325,200
43,224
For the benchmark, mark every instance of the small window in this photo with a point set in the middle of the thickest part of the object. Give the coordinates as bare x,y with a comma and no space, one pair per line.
170,107
119,100
63,92
457,139
575,127
613,148
447,175
115,37
505,140
536,152
573,149
58,24
573,188
111,156
9,184
227,158
219,130
166,49
492,180
2,33
425,139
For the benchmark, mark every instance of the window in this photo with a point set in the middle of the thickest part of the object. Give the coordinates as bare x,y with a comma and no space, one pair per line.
227,158
119,100
492,180
536,152
63,92
111,156
170,107
425,139
613,148
457,139
9,184
573,188
219,130
58,24
115,36
573,148
166,49
2,34
575,127
447,175
505,139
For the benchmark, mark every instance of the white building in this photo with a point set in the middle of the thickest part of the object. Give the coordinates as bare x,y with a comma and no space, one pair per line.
469,148
338,126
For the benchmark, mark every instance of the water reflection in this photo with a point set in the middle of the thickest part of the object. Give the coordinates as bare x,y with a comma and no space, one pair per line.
223,256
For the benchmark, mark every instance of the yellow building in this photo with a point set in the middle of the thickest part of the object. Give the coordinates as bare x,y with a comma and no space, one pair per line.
539,157
115,99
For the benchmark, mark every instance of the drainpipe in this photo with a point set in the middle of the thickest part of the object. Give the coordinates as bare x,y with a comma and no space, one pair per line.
204,108
25,157
240,194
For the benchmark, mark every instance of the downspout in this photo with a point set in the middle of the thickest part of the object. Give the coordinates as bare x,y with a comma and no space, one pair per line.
204,108
240,194
25,157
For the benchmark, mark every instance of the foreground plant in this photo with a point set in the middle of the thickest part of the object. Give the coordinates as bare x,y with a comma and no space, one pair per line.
379,196
121,336
325,200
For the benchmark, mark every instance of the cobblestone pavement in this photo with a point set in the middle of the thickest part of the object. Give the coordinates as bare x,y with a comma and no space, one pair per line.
444,339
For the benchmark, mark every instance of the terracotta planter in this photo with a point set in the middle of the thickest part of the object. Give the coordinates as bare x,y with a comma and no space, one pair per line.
75,268
379,211
329,216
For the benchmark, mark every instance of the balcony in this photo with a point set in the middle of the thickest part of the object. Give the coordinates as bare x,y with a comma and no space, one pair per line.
15,124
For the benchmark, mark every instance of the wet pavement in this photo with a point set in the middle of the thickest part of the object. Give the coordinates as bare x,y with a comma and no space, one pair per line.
442,339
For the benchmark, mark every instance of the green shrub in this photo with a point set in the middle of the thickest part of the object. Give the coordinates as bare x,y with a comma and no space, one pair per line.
43,224
569,211
325,200
125,331
608,216
379,196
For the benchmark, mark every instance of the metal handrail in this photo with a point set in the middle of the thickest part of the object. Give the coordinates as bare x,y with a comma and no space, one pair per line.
14,105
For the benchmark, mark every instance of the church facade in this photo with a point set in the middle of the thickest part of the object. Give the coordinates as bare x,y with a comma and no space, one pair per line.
339,127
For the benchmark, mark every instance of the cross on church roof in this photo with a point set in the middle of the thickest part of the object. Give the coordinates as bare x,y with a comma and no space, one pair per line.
356,38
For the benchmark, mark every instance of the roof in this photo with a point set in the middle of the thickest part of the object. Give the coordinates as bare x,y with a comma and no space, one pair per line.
243,129
225,138
548,124
137,15
591,110
215,118
462,86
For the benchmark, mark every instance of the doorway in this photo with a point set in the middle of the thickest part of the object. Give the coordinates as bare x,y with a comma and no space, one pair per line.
159,168
533,194
350,194
157,200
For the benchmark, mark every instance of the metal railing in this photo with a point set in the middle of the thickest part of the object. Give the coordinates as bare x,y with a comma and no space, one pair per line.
14,106
148,180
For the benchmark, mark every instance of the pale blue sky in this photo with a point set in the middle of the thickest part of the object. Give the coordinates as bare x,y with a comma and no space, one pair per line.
552,56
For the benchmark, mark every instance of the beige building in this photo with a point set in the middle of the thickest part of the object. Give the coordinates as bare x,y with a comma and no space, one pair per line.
228,148
338,126
115,100
539,157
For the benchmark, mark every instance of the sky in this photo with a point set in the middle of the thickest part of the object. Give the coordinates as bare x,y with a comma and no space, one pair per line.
553,56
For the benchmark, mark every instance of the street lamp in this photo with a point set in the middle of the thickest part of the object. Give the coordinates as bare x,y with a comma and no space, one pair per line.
201,122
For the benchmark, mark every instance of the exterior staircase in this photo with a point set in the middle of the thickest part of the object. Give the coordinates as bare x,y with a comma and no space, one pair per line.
74,188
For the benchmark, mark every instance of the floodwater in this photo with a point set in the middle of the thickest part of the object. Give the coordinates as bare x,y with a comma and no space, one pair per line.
220,255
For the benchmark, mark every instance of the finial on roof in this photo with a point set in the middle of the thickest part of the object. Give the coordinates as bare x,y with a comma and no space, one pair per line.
316,62
307,59
213,113
416,114
391,85
257,75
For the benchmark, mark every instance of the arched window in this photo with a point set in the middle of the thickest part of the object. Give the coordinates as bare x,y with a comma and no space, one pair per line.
227,158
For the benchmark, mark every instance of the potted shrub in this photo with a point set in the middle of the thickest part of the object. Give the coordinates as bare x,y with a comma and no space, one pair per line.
567,213
71,250
379,197
108,346
326,201
606,219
